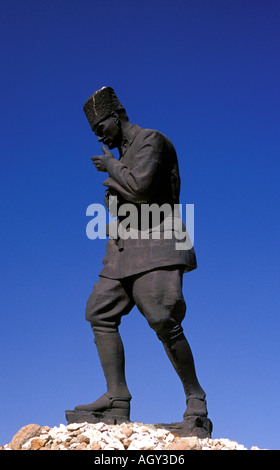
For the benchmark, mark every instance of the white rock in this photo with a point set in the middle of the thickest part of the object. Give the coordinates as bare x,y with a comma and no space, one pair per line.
143,443
100,426
27,445
169,438
93,434
75,426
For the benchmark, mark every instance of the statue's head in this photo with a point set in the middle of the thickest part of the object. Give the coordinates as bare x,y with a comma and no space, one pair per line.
104,113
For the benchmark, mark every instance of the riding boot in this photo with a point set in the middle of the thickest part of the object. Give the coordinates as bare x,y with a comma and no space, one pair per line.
111,355
179,353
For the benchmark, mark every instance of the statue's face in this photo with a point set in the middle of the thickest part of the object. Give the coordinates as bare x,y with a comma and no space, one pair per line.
109,133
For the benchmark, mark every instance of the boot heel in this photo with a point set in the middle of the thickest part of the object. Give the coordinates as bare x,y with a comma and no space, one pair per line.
121,404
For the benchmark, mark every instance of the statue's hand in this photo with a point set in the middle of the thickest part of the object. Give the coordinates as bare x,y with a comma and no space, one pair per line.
101,161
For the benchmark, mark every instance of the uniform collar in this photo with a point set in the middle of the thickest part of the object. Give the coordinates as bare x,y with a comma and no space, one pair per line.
128,137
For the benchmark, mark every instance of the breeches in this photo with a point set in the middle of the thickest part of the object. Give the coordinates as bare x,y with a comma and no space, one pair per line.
157,295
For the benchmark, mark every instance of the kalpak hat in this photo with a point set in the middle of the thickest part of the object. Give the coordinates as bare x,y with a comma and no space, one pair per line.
100,105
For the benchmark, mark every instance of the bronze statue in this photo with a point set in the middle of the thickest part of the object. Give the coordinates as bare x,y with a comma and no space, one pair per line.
142,271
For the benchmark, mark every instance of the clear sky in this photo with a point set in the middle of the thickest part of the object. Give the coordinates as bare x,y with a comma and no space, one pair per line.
205,73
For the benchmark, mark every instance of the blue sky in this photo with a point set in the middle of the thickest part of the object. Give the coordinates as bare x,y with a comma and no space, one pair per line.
205,73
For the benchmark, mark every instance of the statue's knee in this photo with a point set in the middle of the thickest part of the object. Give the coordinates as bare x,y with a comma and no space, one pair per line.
180,310
167,324
89,313
162,325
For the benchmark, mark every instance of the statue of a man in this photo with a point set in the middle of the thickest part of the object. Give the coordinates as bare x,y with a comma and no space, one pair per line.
143,271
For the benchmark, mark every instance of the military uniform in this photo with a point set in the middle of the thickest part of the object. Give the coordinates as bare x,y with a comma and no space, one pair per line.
146,272
147,165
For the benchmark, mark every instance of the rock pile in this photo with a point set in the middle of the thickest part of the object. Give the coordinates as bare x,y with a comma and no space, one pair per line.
100,436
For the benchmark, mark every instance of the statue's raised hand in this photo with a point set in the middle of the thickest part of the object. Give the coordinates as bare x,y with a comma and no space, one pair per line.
101,161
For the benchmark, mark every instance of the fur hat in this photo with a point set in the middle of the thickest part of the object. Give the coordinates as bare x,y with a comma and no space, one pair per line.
100,105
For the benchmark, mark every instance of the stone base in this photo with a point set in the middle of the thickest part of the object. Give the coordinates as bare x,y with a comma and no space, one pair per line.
191,426
108,417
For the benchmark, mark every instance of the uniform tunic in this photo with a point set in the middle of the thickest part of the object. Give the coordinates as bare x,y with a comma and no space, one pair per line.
147,173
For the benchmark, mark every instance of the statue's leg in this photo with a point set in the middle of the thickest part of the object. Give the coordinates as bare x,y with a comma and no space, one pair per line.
180,355
158,296
108,302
